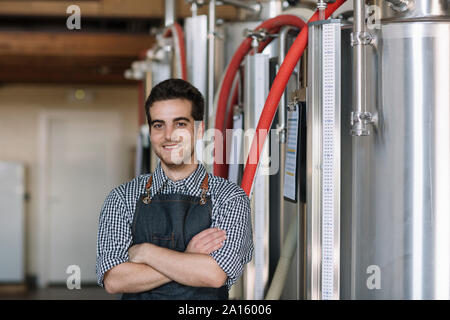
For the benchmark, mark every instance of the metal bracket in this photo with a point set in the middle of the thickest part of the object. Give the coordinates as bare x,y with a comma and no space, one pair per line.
399,5
250,6
258,36
359,122
321,4
361,38
281,131
295,98
238,110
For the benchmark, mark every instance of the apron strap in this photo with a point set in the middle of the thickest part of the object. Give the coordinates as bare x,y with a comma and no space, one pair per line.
149,183
204,187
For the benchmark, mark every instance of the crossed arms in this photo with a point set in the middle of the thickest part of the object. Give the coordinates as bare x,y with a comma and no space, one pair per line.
151,266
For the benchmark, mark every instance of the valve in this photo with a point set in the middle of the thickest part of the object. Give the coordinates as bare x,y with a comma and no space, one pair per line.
257,36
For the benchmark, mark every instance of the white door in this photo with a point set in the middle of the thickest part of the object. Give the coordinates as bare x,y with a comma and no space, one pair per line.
12,226
84,163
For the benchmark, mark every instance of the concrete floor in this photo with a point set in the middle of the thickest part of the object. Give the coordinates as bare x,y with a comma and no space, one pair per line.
56,293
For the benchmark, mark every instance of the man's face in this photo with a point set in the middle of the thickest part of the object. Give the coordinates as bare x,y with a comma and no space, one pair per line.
172,131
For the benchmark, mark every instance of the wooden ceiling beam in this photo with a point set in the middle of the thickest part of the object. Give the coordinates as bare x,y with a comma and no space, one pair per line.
64,70
73,44
69,57
58,77
105,8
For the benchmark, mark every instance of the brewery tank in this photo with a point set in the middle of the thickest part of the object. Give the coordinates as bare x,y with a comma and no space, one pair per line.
395,208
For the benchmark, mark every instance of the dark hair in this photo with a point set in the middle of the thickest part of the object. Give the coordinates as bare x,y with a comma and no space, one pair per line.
177,89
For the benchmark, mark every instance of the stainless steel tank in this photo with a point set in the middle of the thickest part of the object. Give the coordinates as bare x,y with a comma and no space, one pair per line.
229,36
396,207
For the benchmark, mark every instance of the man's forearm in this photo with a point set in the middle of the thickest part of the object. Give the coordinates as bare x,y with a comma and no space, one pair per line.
192,269
132,277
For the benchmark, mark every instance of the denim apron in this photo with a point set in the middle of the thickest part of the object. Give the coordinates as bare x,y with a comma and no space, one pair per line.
170,221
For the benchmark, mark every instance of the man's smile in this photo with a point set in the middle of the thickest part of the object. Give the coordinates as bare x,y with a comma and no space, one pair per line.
171,146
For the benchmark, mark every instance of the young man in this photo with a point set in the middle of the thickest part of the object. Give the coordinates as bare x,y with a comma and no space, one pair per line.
180,233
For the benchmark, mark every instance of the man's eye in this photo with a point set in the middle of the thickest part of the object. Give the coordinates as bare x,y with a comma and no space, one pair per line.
181,124
157,126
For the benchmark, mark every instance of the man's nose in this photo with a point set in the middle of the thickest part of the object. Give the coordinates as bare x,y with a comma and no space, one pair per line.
171,134
168,133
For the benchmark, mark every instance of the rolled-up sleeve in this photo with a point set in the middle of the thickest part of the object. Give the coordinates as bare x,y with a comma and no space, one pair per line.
114,236
237,249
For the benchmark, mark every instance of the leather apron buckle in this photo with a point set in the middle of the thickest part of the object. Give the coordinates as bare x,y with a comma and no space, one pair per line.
204,188
146,200
203,197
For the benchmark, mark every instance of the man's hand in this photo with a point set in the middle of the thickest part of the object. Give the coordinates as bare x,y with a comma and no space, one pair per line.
207,241
139,253
194,267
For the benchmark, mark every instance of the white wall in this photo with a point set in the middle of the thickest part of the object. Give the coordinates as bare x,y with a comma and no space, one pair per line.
20,108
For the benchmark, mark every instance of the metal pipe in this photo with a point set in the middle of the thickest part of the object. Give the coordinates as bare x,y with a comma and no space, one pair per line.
255,7
321,6
194,9
282,106
358,53
359,118
282,128
358,16
211,62
270,9
169,16
284,263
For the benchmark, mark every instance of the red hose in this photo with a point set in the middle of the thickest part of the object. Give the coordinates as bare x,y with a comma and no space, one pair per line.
229,118
220,167
273,99
261,48
176,28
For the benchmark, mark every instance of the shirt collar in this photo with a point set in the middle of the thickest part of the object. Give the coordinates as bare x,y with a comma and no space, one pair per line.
191,183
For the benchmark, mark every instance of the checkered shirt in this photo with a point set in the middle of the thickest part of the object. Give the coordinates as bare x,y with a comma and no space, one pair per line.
230,212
